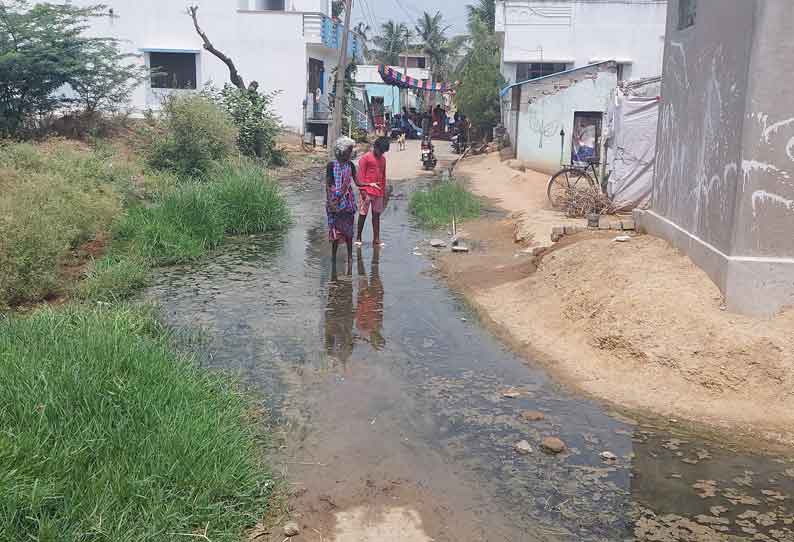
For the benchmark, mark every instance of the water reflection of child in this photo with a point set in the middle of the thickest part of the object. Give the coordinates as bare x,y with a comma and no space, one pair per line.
339,319
369,307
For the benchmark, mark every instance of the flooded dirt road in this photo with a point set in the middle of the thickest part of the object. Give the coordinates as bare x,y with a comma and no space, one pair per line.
393,422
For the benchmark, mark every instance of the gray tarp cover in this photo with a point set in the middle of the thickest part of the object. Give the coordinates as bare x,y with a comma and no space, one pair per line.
631,151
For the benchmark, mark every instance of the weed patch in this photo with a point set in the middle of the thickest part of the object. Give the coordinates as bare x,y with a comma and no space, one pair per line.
438,205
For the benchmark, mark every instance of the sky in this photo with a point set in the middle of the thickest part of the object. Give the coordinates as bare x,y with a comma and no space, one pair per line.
377,12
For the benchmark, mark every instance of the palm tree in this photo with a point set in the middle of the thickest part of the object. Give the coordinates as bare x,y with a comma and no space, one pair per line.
440,50
485,11
363,30
393,40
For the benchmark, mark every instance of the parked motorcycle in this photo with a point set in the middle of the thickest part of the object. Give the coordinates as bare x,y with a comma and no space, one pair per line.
429,160
458,143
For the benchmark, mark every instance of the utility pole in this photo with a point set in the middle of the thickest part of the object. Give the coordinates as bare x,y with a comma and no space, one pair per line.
339,96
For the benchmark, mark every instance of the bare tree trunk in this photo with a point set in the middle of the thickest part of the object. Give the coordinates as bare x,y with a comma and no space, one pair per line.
234,75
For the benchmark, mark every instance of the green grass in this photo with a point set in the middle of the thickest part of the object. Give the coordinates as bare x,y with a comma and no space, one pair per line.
249,201
106,434
114,278
437,206
193,217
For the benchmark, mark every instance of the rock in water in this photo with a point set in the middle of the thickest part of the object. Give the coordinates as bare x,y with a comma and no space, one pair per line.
552,445
608,456
522,447
533,415
460,248
291,529
437,243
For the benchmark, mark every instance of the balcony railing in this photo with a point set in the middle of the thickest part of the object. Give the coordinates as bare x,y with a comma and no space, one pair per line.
321,30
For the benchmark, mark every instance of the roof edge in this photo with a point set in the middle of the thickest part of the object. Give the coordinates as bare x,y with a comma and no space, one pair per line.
545,77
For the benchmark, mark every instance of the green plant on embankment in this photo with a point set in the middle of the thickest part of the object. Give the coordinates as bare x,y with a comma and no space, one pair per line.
443,202
106,434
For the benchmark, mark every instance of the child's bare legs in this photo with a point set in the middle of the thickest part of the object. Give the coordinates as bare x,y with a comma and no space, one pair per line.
349,243
362,220
376,228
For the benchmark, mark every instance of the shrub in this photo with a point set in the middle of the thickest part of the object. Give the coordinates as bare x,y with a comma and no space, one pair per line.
54,198
438,206
249,201
42,48
106,434
258,126
193,136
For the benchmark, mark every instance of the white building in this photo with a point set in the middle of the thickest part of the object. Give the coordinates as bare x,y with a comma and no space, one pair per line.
290,46
547,48
541,37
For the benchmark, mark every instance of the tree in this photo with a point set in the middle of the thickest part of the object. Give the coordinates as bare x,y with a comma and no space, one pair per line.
363,30
337,8
44,54
234,75
480,78
393,40
106,79
435,44
485,11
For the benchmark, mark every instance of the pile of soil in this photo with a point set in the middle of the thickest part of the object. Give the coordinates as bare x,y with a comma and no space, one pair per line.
639,325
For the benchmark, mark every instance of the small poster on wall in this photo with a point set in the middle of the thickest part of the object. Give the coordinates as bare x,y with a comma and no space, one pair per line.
586,135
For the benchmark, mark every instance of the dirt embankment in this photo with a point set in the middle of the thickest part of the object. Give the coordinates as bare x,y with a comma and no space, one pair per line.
636,323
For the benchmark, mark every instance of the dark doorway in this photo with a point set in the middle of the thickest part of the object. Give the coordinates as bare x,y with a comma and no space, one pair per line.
586,136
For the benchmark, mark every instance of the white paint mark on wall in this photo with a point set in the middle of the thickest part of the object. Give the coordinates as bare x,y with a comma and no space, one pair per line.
750,166
773,129
680,46
764,197
790,149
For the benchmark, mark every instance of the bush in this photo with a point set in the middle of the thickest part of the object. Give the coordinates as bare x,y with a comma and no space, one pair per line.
192,137
54,198
438,206
249,201
257,124
106,434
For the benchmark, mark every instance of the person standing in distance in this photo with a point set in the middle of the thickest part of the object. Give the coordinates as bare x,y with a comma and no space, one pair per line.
372,188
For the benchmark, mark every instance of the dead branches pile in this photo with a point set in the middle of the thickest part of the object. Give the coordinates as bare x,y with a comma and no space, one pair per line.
581,201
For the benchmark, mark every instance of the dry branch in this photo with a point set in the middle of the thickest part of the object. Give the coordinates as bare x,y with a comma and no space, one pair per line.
234,75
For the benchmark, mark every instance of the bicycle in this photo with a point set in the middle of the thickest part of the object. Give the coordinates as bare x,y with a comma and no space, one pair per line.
569,179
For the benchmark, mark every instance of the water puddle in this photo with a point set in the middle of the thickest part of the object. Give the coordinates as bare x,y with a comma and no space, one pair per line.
397,426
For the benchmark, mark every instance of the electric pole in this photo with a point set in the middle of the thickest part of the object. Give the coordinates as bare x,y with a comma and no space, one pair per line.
339,95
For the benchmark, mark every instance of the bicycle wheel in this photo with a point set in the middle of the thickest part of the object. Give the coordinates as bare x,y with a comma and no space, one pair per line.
563,183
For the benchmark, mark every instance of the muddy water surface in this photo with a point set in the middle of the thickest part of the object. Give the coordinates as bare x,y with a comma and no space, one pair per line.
390,399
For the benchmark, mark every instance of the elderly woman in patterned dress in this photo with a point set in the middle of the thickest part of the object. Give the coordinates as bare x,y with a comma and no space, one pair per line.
340,206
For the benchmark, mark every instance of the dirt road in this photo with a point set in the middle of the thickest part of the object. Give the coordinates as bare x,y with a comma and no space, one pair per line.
396,412
636,323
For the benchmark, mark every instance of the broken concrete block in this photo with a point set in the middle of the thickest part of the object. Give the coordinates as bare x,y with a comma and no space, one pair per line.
627,225
460,248
557,233
437,243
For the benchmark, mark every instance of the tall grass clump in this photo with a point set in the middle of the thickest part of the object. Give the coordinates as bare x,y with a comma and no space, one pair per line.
438,205
192,136
114,277
106,434
182,226
249,201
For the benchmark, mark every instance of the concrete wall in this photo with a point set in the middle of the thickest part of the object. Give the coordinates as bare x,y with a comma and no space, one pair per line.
724,183
548,106
579,32
267,46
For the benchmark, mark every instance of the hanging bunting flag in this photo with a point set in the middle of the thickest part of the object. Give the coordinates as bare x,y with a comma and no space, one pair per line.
393,77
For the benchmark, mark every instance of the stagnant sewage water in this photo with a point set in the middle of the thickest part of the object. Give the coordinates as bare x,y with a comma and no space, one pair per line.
389,394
